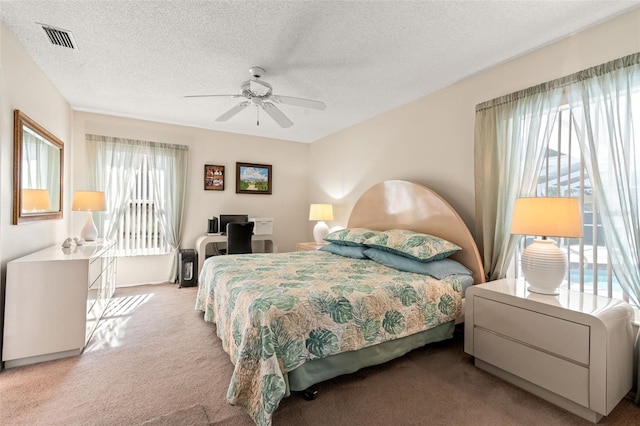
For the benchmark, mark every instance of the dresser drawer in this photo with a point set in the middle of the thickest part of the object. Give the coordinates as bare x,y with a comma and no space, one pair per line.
95,269
554,335
555,374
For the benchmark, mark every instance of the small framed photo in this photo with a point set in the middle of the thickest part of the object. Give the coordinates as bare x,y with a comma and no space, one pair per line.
213,178
253,178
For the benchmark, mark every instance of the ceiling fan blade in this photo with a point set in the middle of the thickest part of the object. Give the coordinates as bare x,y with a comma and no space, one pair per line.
211,96
233,111
306,103
276,114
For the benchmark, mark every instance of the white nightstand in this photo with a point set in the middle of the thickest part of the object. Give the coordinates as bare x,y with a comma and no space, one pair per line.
574,350
310,246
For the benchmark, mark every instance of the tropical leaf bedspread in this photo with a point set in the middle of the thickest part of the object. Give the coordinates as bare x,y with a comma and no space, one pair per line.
273,312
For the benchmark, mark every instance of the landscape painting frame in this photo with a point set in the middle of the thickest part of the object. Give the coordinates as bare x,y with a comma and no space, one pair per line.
253,178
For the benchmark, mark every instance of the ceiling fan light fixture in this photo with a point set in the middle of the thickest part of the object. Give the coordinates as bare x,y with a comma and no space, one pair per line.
259,93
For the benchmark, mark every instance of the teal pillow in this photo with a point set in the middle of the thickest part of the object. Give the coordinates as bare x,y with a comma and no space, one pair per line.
414,245
355,252
437,269
350,236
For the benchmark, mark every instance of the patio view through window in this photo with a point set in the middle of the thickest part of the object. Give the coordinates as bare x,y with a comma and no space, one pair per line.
563,174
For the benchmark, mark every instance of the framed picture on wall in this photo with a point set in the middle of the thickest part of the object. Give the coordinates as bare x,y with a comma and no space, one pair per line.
213,178
253,178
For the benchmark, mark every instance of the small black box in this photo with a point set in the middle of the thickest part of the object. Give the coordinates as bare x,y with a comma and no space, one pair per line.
188,268
213,226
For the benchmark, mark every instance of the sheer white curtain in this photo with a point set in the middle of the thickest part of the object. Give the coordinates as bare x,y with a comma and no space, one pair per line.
113,167
169,179
511,138
112,163
606,109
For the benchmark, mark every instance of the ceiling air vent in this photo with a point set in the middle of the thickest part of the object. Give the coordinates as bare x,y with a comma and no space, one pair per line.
59,37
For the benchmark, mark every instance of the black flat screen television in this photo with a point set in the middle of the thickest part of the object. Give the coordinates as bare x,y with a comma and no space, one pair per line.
227,218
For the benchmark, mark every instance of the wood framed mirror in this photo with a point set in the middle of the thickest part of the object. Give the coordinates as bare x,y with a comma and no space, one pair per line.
38,160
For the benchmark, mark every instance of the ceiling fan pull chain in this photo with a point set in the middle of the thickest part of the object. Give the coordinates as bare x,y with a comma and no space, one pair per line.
257,116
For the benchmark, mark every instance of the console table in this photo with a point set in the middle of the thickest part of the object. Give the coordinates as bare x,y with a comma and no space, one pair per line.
201,245
54,300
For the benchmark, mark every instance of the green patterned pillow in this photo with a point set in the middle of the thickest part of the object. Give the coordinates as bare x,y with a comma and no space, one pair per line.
351,236
414,245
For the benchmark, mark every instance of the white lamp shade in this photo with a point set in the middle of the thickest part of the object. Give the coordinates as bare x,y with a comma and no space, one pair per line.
547,216
321,212
89,201
35,200
544,265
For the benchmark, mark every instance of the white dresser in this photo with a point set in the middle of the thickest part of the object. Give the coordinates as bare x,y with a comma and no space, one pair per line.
574,350
54,300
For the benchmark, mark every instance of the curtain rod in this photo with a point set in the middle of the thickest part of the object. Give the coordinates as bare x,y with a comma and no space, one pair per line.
111,139
607,67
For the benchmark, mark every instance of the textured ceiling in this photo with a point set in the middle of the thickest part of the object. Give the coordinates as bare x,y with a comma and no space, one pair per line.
361,58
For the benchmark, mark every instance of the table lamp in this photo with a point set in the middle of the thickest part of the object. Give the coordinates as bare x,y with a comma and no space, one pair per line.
89,201
544,265
320,212
35,200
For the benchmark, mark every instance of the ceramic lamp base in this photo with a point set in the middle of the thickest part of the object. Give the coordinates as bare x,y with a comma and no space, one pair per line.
89,231
544,266
320,231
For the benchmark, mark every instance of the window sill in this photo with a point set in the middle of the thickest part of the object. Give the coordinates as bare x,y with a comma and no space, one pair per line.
140,253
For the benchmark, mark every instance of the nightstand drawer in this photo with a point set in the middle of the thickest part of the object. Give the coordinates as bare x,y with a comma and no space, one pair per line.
557,336
554,374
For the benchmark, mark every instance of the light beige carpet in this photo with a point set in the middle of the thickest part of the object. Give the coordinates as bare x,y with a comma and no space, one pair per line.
154,358
195,415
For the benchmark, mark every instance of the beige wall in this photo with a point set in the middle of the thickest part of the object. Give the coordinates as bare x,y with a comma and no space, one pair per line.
430,140
287,205
23,86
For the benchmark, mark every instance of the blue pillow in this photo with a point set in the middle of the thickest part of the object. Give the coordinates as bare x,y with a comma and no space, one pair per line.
437,268
355,252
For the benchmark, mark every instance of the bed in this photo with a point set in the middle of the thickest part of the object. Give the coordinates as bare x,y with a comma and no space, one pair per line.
291,320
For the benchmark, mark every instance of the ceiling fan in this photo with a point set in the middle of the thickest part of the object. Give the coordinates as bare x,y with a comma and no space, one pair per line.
260,94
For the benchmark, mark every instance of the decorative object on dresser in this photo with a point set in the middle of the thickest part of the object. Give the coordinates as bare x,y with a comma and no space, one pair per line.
54,300
574,350
544,265
320,212
89,201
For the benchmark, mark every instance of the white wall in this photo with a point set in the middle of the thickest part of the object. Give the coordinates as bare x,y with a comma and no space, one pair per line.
430,140
288,205
23,86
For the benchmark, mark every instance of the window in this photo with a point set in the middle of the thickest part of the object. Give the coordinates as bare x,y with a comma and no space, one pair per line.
145,184
138,230
563,174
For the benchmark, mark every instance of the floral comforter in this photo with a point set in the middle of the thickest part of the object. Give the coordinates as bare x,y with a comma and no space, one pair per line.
273,312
